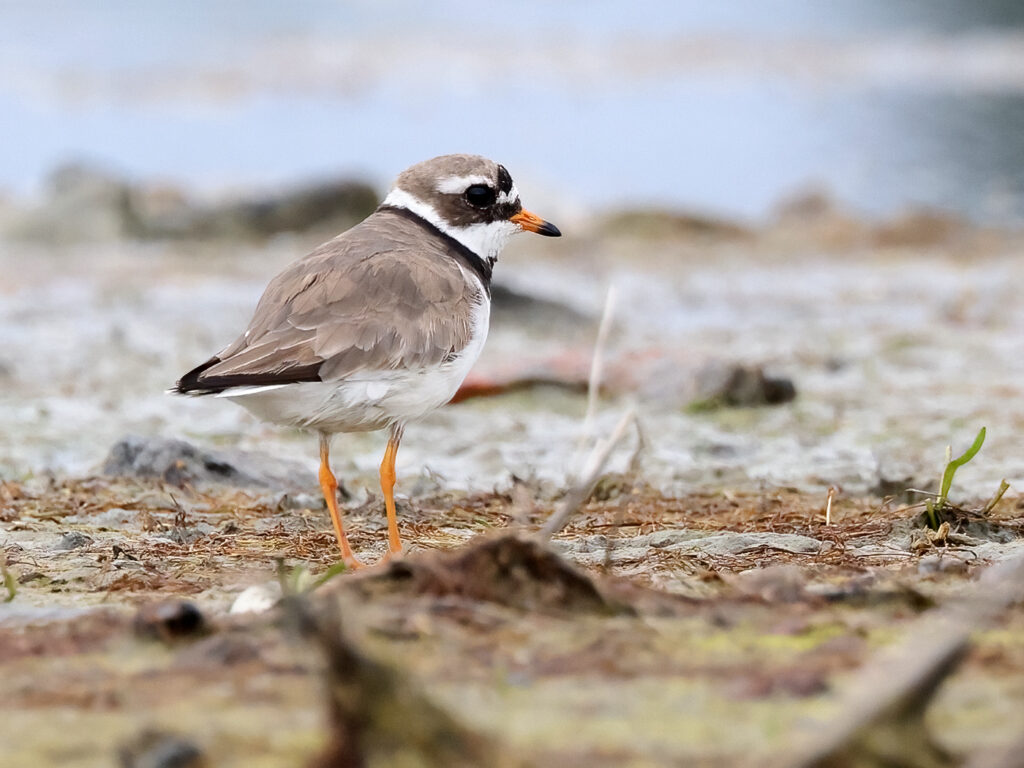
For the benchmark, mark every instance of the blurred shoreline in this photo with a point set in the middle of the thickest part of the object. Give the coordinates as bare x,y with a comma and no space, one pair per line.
84,202
888,105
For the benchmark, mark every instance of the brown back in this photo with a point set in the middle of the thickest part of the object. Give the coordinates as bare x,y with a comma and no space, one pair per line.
388,293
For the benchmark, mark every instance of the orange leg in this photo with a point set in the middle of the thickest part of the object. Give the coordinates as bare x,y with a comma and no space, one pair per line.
387,484
329,485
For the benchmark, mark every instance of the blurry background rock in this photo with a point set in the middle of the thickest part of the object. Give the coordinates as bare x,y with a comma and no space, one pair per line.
657,223
88,202
720,385
179,463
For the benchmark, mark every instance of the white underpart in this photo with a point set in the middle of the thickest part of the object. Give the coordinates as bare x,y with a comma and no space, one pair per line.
239,391
371,399
485,240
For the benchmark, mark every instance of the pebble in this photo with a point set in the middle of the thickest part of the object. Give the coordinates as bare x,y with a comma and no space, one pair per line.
159,749
941,563
72,540
169,620
259,598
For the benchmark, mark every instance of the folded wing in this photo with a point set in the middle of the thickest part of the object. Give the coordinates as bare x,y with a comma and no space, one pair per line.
356,304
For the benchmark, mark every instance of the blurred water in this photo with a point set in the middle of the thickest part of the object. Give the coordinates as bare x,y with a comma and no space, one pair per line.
720,107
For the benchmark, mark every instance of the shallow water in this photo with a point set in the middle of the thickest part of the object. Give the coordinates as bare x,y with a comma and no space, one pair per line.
726,109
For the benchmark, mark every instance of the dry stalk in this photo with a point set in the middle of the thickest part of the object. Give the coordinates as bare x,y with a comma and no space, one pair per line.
584,485
633,468
597,361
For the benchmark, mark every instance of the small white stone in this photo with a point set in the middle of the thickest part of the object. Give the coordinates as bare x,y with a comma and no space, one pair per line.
259,598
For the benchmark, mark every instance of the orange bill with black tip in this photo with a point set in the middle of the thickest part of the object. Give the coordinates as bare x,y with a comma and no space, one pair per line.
531,222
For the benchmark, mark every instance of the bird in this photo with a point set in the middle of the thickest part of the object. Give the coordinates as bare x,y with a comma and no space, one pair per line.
379,326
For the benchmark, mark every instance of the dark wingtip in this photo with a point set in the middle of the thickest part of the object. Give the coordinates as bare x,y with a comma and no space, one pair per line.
189,384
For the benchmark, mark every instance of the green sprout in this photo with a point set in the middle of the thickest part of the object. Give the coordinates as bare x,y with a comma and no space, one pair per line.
329,574
299,580
10,583
934,508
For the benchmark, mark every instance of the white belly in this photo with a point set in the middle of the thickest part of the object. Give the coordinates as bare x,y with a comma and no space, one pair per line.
371,399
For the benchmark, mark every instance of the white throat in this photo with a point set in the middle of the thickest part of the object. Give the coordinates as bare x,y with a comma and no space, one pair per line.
485,240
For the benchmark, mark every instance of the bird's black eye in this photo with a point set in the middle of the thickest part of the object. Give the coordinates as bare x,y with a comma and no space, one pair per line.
480,195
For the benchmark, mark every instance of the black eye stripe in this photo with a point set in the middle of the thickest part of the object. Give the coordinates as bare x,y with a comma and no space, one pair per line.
504,180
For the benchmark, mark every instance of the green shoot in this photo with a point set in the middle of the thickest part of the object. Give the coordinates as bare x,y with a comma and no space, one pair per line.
1003,488
10,583
955,464
298,580
934,507
329,574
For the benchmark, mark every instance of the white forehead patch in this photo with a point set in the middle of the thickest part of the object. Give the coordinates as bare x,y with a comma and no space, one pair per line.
512,196
456,185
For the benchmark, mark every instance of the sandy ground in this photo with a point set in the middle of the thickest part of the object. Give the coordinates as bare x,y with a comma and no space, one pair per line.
717,629
895,352
717,618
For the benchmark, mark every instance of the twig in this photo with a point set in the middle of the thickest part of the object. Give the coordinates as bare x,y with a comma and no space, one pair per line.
584,486
378,713
641,447
597,361
632,472
882,708
828,505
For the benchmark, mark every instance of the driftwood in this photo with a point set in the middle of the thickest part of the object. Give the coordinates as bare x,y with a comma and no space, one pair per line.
882,711
379,714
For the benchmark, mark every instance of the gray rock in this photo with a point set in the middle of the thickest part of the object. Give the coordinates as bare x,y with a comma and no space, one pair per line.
900,478
662,539
738,543
114,518
721,385
178,463
72,540
188,535
660,222
774,584
83,202
89,202
594,549
515,308
334,204
942,563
